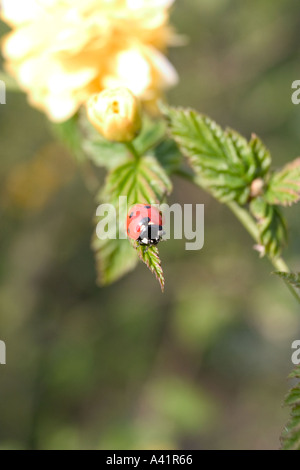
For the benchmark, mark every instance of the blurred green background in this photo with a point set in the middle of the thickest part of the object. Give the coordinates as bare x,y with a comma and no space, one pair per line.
202,366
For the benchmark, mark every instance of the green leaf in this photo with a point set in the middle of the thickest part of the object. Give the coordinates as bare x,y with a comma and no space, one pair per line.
292,278
104,153
284,186
271,226
296,373
224,161
153,132
99,150
293,397
290,438
114,259
154,142
150,257
169,156
261,155
143,181
83,140
111,154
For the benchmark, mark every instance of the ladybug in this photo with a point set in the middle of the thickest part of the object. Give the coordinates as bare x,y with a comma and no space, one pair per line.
144,224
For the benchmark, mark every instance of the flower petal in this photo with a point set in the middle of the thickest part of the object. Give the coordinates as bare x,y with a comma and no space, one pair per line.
125,63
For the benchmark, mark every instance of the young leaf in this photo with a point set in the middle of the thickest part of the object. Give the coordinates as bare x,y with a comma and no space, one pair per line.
271,225
290,438
284,186
224,161
142,181
151,259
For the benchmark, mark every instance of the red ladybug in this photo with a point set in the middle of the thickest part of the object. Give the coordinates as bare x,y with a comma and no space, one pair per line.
144,224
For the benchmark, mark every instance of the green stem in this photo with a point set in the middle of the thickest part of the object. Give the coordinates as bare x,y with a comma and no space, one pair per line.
281,266
248,222
133,151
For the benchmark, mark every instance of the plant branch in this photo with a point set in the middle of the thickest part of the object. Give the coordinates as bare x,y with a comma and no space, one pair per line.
248,222
133,151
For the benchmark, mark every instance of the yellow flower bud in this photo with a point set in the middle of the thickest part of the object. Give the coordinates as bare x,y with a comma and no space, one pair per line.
116,114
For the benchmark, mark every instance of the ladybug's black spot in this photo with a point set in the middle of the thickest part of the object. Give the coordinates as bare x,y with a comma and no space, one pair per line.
148,207
131,215
160,227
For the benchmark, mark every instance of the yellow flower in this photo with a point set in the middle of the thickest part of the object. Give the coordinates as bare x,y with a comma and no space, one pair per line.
116,114
63,51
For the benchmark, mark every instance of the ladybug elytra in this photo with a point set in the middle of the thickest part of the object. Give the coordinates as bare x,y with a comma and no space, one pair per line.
144,224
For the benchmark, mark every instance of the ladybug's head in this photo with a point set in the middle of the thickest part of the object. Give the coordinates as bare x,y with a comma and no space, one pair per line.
150,234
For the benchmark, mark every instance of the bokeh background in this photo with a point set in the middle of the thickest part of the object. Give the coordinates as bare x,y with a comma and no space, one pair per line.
202,366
